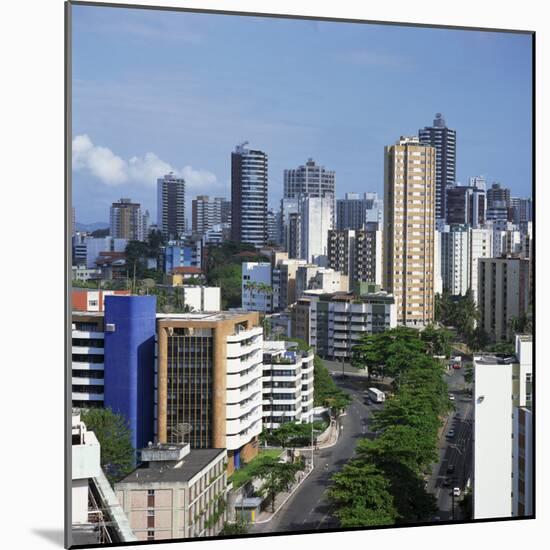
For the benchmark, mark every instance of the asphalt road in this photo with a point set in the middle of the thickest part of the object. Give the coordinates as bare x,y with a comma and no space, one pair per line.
455,452
308,508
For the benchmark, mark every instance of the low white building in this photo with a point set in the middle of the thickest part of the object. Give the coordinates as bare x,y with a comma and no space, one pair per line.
287,383
313,277
502,385
202,298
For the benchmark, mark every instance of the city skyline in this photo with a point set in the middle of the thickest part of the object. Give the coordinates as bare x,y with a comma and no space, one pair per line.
339,98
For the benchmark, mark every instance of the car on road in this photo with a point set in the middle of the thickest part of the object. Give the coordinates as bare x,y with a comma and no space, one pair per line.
456,492
450,468
451,433
451,397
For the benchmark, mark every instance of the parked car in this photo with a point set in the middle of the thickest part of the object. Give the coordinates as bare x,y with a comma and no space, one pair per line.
450,468
451,397
446,482
450,433
456,492
456,366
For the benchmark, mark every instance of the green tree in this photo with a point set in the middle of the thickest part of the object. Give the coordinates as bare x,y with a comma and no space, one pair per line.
387,353
114,436
238,527
438,340
469,374
361,496
276,477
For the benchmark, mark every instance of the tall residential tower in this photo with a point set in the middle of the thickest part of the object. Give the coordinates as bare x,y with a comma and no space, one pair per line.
409,225
171,205
444,141
249,196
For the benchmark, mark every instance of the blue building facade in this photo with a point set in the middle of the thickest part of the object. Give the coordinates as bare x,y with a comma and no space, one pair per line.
187,255
130,327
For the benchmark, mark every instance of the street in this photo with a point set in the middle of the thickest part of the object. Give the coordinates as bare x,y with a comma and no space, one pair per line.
308,508
455,454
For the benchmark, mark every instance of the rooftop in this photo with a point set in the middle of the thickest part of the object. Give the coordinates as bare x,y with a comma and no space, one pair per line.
173,472
187,269
204,316
495,359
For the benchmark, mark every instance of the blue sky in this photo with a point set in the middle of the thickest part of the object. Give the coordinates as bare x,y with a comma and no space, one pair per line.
155,91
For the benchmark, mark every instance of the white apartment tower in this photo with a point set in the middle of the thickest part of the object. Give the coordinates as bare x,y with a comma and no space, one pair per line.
317,218
501,387
455,259
249,196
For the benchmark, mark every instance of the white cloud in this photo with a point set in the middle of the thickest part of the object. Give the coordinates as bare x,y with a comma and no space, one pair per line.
113,170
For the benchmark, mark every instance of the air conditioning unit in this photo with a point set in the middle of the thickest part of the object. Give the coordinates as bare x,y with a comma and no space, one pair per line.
110,327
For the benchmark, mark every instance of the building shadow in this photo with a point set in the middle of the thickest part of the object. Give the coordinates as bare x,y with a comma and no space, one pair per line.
56,536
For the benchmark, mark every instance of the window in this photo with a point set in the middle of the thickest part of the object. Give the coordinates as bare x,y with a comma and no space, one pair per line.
150,535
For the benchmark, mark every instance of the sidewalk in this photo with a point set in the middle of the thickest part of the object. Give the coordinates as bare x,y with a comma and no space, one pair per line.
331,440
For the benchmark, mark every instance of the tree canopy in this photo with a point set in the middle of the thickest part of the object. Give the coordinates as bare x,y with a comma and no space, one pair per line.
114,436
384,483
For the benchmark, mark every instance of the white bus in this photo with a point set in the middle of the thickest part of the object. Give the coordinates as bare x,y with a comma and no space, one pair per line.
376,395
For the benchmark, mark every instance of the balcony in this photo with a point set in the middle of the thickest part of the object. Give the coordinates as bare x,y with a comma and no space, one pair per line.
81,381
78,396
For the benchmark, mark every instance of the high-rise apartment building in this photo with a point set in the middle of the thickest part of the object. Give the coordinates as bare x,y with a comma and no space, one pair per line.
521,210
481,246
310,179
409,225
272,230
249,196
335,322
209,382
128,221
455,259
357,253
171,206
202,214
444,141
316,219
503,294
354,212
466,204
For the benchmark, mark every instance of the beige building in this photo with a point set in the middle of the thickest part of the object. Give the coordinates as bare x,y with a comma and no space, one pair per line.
128,221
176,493
503,294
210,382
409,226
